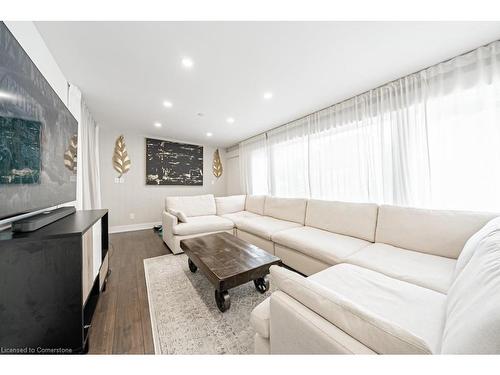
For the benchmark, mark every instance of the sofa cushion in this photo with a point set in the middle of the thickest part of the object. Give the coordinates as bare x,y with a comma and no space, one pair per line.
255,204
202,224
429,271
195,205
289,209
259,318
351,219
436,232
473,304
230,204
492,227
387,315
238,217
265,226
328,247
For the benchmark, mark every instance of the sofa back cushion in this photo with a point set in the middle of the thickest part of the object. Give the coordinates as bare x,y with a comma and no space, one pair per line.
195,205
436,232
472,323
351,219
255,204
289,209
230,204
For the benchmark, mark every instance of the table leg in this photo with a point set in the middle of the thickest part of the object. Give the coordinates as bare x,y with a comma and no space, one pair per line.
262,284
222,299
192,266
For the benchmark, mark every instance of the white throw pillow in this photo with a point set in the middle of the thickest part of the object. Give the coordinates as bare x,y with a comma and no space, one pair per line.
179,214
472,243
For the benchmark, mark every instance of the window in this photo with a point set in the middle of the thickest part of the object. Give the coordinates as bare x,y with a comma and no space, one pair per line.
431,139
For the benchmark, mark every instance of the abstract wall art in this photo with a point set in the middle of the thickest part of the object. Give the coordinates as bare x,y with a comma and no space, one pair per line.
20,155
172,163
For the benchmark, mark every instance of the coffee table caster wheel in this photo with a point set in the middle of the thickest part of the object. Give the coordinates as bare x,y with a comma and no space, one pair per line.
222,299
261,284
192,266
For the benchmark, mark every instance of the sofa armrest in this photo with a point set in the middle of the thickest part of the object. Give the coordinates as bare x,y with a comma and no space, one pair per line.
296,329
259,318
168,223
170,219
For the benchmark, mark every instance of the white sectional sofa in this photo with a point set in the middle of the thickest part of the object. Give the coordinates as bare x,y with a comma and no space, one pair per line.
374,279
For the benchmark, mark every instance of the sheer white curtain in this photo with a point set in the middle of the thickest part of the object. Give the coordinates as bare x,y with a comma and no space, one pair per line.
372,147
88,178
288,160
463,117
431,139
254,165
89,143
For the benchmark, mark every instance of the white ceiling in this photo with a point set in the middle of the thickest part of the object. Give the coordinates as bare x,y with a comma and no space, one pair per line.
127,69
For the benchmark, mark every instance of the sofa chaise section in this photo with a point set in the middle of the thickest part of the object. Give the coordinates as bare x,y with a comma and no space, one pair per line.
352,310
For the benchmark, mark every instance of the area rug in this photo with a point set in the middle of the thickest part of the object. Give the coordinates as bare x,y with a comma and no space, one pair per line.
184,316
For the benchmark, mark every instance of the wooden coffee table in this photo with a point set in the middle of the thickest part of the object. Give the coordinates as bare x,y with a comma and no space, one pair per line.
227,262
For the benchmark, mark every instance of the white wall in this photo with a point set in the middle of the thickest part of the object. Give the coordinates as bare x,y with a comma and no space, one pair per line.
233,181
133,196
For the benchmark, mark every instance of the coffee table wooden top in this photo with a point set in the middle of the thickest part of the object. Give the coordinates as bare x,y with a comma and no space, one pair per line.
226,260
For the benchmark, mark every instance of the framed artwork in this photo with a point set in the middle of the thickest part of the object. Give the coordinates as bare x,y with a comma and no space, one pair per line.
173,163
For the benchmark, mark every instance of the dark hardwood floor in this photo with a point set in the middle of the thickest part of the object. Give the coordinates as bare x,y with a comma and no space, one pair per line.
121,322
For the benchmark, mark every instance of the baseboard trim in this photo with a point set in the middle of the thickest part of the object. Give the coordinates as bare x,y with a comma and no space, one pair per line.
132,227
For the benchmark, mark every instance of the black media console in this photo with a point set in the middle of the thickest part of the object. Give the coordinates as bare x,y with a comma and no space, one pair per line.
50,281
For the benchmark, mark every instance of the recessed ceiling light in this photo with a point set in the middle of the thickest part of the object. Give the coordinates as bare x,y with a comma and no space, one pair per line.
167,104
230,120
158,125
187,62
268,95
209,134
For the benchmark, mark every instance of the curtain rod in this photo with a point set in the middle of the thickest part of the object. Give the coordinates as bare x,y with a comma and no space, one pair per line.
364,92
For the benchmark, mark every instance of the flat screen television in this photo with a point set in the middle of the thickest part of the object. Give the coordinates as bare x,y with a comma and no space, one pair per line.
38,136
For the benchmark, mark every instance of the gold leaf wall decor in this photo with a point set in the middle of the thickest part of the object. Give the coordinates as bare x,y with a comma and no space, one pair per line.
121,161
217,165
70,160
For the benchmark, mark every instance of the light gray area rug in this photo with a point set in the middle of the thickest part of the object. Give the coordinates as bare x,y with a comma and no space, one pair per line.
184,316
